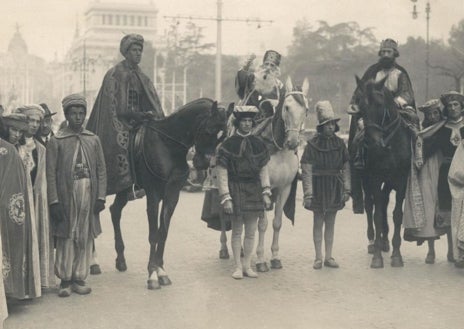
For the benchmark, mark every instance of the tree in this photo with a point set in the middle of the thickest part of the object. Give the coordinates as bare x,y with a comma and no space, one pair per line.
451,62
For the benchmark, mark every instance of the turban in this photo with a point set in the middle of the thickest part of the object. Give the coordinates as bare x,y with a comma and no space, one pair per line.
128,40
247,111
73,100
452,96
325,113
16,120
31,110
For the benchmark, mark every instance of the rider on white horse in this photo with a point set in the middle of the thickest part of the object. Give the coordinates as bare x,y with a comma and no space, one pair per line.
261,87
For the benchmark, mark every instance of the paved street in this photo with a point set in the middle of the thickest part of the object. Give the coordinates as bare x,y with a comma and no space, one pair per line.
204,295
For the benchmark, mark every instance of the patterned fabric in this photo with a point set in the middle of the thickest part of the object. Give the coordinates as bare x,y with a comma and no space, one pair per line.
328,156
21,273
124,90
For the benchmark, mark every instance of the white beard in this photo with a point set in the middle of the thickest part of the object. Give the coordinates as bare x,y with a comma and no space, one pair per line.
266,81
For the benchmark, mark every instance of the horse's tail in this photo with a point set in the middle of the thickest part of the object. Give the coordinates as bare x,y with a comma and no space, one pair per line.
289,207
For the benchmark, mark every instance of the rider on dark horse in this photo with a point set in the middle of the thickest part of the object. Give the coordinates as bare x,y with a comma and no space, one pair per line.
126,96
261,87
397,81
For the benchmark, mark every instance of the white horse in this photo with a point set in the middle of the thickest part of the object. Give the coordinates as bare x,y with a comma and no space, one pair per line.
282,134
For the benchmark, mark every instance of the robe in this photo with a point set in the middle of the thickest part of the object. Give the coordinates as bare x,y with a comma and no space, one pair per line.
124,90
60,169
21,272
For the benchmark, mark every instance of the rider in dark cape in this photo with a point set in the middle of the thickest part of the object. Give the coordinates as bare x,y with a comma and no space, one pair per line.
397,81
126,93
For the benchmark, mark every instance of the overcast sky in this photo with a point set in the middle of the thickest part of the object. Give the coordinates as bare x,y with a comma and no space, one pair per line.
48,25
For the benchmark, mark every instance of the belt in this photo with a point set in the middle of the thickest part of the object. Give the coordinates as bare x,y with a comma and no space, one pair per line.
81,170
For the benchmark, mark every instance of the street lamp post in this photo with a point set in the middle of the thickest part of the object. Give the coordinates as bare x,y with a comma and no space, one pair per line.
427,48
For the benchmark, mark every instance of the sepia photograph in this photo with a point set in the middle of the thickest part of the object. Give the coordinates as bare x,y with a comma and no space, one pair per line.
232,164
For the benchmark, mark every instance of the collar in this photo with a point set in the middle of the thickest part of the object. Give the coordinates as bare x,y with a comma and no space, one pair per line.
68,132
243,135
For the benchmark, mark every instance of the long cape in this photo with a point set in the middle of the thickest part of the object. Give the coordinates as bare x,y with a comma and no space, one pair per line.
111,103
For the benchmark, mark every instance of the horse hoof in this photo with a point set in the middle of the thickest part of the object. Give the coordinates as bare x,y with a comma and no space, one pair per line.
276,264
262,267
397,261
121,265
164,280
377,262
224,254
153,284
370,249
95,269
450,258
385,246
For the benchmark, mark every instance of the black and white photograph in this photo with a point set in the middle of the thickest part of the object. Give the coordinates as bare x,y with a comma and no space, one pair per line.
232,164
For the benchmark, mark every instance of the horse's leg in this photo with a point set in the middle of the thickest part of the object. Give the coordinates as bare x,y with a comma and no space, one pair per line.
170,199
379,204
369,208
119,203
224,251
396,259
94,266
261,265
153,236
277,224
430,258
385,229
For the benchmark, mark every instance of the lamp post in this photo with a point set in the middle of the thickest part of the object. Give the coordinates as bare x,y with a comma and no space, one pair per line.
427,48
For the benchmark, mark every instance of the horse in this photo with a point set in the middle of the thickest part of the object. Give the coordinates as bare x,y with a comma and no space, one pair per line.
161,169
281,134
388,161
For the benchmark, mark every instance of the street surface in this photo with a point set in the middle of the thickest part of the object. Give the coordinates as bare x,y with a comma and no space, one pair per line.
204,295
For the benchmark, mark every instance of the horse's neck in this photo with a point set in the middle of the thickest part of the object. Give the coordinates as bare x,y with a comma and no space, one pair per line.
182,127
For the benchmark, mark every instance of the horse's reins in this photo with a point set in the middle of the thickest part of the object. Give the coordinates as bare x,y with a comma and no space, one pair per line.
175,140
394,125
287,130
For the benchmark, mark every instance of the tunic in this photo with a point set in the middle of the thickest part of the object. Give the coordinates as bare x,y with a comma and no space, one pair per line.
38,182
244,157
21,273
124,90
328,157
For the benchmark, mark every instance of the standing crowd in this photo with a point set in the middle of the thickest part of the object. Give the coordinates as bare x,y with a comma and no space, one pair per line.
54,185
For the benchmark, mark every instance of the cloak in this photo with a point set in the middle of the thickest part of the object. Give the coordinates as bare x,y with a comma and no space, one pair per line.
114,100
60,169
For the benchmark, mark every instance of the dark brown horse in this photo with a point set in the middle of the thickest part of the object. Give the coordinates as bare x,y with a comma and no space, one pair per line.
161,170
388,161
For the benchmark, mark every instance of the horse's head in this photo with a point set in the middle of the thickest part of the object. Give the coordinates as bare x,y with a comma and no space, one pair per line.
211,131
294,111
377,109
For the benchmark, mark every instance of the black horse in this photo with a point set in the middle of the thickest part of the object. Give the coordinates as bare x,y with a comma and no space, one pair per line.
161,170
388,161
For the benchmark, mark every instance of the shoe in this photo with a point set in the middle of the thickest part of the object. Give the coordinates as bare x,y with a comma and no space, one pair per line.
317,264
65,289
331,263
80,288
430,259
250,273
238,274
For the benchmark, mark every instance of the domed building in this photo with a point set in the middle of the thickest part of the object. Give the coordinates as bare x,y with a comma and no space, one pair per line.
23,77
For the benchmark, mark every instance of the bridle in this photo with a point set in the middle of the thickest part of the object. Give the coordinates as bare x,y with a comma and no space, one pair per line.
389,130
